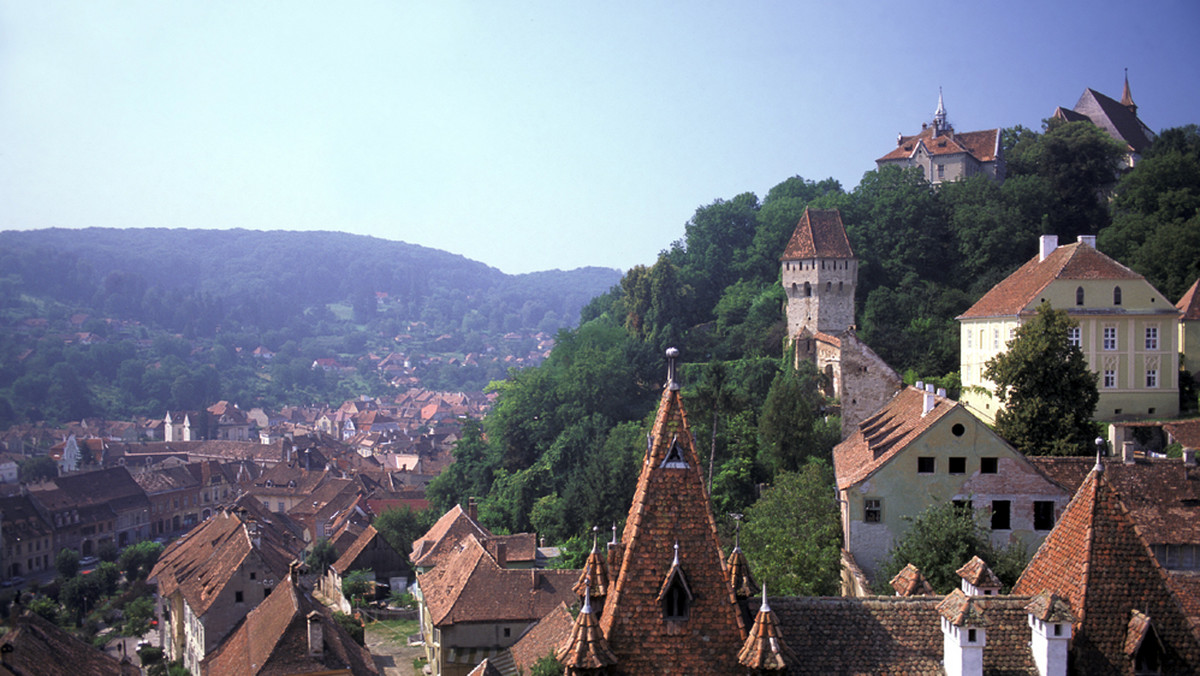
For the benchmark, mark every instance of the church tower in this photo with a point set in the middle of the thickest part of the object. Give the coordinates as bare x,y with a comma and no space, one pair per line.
820,274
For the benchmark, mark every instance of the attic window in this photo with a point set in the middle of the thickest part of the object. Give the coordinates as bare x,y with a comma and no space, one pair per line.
1079,296
674,459
1116,295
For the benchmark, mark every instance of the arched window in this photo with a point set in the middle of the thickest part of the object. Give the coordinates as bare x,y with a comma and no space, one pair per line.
795,287
828,287
840,287
807,290
1079,296
1116,295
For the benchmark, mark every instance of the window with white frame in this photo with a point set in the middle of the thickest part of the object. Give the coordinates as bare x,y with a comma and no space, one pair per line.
1152,378
1110,337
995,339
969,345
1110,377
1074,336
1151,337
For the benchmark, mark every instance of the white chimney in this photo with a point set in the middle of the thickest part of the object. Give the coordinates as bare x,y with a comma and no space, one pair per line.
1127,452
929,402
962,648
941,392
1088,240
316,637
920,384
1046,246
1050,623
928,387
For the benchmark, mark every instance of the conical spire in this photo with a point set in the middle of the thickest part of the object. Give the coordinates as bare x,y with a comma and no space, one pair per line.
939,116
1127,96
665,607
739,567
764,649
593,581
587,652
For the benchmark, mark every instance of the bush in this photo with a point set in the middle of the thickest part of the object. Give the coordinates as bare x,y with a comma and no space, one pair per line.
352,625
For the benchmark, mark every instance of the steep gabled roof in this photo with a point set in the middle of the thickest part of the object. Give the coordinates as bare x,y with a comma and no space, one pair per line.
445,535
1019,290
979,144
670,508
886,433
819,234
1096,560
39,646
1119,120
346,561
543,638
273,641
1189,304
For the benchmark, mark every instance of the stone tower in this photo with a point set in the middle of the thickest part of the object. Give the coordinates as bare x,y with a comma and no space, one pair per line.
820,275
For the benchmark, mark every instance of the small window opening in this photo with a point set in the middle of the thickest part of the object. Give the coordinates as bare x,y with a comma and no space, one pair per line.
1116,295
1079,296
958,465
674,459
1001,510
970,636
925,465
988,465
958,430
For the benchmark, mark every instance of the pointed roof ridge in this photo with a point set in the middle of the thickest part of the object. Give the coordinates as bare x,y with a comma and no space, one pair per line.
765,649
739,574
962,610
819,234
1189,303
910,581
1098,561
587,649
670,504
976,572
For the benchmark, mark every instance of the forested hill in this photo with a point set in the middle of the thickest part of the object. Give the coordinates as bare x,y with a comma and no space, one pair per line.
192,281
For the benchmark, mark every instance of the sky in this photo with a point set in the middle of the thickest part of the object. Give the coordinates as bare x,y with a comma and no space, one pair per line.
526,135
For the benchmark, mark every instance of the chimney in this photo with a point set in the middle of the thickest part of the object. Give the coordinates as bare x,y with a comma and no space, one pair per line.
502,554
316,637
929,400
1127,452
921,385
1050,623
963,639
1046,246
941,392
472,510
1088,240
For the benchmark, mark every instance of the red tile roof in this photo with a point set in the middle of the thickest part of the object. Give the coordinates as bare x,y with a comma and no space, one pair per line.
444,537
765,649
819,234
273,641
1096,559
1019,291
39,646
979,144
586,649
880,437
1189,304
542,639
670,509
978,574
910,582
1161,495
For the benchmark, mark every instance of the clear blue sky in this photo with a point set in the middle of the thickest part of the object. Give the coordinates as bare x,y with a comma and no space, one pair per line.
527,135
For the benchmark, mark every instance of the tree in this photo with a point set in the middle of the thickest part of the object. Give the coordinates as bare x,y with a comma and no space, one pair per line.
138,614
943,538
790,428
66,562
352,625
355,585
401,526
37,469
137,560
792,535
1046,390
547,666
321,556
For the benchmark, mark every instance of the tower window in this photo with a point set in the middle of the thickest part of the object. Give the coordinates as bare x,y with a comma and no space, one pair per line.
828,287
807,290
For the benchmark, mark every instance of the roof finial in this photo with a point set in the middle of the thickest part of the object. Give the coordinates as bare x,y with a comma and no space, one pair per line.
676,561
595,537
614,540
737,531
939,116
1099,451
587,596
1127,96
672,380
765,607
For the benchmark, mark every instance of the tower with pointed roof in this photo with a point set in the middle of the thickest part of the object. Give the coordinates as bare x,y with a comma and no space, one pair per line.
1118,118
671,609
820,274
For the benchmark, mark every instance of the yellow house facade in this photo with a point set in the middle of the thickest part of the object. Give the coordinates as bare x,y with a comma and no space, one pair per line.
923,448
1128,331
1189,327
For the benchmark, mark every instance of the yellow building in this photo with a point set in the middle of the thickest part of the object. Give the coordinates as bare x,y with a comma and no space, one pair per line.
1128,331
1189,328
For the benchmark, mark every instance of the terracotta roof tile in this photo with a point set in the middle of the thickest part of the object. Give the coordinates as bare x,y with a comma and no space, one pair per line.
910,582
1050,607
979,144
1096,559
884,434
1189,304
765,649
670,506
444,536
39,646
978,574
543,638
961,610
586,649
819,234
1018,292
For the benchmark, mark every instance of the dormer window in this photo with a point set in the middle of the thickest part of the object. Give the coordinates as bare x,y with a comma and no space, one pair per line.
675,596
674,459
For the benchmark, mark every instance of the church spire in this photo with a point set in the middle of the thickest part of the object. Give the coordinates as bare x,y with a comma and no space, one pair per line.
1127,96
939,116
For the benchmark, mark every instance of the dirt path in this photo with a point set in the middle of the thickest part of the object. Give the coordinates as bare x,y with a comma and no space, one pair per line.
389,646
